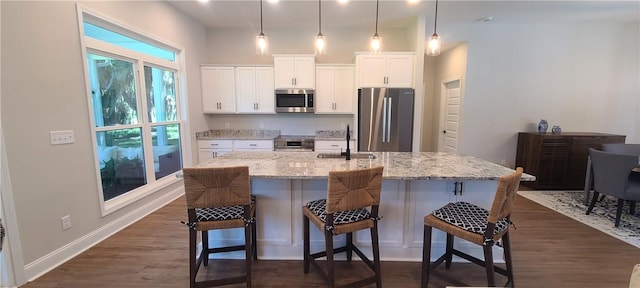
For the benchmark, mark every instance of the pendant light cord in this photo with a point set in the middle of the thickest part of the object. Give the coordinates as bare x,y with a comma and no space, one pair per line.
435,24
319,17
261,18
377,3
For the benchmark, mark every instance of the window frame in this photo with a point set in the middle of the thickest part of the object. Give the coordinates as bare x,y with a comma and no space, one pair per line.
140,60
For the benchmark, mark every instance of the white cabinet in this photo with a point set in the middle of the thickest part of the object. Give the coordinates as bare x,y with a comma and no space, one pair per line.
254,89
332,146
252,145
294,71
218,89
209,149
385,70
335,89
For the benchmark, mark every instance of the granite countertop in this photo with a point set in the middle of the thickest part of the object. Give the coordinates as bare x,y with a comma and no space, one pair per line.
398,165
231,134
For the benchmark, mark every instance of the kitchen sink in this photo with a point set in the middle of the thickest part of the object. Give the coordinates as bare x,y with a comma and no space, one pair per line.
353,155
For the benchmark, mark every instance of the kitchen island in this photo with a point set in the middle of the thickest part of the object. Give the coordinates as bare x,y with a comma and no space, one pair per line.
414,184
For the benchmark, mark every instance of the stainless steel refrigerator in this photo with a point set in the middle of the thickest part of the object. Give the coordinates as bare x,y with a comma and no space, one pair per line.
385,119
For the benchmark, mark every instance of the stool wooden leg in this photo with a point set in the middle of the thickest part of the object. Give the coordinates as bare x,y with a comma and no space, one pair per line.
449,251
205,248
349,246
506,246
376,253
426,256
488,264
254,239
193,269
328,240
248,252
307,253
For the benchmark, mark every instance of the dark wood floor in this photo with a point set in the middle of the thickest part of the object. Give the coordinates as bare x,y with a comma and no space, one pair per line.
550,250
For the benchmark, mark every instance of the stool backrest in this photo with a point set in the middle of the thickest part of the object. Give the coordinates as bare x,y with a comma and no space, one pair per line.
212,187
348,190
505,196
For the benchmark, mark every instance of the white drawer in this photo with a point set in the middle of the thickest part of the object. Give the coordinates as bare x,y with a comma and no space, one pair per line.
321,145
215,144
253,144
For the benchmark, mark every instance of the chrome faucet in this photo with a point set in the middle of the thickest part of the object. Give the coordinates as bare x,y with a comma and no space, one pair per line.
348,152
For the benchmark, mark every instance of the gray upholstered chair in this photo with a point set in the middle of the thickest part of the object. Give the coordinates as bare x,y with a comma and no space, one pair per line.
613,176
621,148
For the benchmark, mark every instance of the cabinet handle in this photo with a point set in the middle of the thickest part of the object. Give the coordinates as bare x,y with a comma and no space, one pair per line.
295,81
455,188
253,145
335,145
214,144
460,190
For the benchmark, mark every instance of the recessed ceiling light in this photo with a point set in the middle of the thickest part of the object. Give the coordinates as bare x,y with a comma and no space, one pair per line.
343,1
272,1
203,1
486,19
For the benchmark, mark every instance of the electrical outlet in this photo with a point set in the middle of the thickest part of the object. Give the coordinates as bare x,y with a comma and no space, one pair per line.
227,125
66,222
61,137
503,162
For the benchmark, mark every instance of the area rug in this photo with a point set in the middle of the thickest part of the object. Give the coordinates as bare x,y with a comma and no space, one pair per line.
602,217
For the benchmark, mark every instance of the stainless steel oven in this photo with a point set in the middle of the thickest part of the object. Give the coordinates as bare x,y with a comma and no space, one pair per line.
294,143
294,100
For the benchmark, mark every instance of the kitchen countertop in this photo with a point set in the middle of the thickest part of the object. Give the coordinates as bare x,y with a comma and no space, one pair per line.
398,165
237,134
231,134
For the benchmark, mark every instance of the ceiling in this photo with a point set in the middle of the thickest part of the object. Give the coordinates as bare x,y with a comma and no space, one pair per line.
399,13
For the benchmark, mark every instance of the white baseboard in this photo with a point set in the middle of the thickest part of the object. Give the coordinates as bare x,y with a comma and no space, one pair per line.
54,259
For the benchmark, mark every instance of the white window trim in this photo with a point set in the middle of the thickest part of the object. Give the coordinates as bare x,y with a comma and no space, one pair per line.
112,205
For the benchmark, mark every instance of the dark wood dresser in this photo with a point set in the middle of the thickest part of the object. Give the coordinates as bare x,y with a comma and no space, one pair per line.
559,160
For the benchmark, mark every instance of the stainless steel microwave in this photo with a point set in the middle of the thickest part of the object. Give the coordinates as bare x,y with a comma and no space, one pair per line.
295,100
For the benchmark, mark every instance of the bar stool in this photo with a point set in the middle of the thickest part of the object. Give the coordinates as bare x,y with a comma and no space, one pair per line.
476,225
344,210
219,198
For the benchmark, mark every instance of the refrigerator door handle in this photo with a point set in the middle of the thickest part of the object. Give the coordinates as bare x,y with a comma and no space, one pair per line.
384,120
389,109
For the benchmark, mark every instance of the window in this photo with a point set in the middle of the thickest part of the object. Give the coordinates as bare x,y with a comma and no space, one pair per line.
134,99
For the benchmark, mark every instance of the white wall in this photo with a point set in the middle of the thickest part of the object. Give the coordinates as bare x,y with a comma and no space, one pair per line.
583,77
43,90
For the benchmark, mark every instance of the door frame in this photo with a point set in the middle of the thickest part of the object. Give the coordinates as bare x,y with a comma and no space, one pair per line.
443,110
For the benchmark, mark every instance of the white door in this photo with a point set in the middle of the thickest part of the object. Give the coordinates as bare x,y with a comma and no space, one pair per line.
448,140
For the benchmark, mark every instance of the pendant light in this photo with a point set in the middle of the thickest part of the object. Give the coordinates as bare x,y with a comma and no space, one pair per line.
375,42
262,42
433,45
320,40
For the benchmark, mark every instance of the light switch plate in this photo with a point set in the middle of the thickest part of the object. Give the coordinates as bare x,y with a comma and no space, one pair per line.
61,137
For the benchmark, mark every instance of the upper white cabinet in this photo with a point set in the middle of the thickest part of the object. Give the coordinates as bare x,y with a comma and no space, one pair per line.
294,71
335,89
394,69
218,89
254,89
